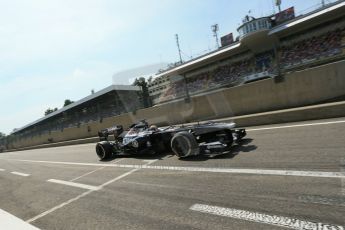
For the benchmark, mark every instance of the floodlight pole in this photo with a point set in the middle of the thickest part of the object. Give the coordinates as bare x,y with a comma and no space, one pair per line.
178,47
278,3
215,29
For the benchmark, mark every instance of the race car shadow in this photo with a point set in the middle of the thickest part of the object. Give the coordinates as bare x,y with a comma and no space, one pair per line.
246,141
140,157
243,146
160,156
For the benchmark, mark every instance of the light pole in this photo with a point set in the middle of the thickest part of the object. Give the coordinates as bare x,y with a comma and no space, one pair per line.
215,29
178,47
278,3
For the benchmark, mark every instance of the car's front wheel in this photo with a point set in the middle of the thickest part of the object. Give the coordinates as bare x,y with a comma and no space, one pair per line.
104,150
184,144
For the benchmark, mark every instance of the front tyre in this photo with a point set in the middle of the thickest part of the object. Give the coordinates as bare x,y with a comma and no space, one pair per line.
104,150
184,144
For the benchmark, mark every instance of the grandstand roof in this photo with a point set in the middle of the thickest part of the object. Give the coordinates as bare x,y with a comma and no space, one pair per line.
200,59
81,101
305,20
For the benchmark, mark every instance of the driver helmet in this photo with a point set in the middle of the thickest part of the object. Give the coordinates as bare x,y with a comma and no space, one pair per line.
153,127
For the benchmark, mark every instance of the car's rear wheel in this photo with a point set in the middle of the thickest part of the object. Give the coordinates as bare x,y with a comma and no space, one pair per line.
104,150
184,144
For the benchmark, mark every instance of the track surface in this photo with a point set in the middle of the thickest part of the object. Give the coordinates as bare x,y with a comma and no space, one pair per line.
47,189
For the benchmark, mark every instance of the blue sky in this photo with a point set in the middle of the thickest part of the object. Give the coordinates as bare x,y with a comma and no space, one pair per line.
58,49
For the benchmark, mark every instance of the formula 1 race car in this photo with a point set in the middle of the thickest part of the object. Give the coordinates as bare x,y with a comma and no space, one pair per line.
183,141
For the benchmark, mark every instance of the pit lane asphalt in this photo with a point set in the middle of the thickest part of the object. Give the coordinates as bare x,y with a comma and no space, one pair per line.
134,198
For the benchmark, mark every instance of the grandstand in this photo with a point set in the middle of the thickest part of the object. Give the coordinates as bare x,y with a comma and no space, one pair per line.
157,86
108,102
314,44
267,47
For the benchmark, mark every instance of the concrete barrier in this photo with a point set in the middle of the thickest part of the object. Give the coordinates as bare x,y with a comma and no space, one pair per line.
322,111
307,113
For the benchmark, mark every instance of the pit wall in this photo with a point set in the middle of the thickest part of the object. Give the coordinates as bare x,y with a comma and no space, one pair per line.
296,89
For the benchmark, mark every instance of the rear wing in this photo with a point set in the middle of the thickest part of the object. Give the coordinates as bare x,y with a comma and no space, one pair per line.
115,130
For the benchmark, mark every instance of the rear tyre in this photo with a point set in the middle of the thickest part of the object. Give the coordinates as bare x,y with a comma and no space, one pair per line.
104,150
184,144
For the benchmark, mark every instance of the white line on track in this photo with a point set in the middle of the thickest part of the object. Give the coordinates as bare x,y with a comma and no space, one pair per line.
88,173
2,170
295,126
149,161
117,161
118,178
9,221
211,170
82,195
262,218
59,206
73,184
20,174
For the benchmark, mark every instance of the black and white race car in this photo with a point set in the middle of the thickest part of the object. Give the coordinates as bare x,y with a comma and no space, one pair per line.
184,141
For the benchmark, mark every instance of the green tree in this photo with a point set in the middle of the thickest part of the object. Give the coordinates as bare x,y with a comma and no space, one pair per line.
2,141
67,102
49,111
149,80
144,94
